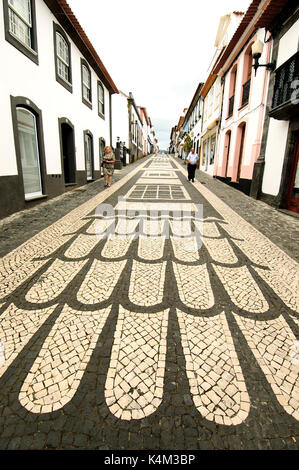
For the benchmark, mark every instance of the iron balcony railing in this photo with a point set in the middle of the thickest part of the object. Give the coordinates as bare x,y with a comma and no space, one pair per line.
245,94
231,106
286,82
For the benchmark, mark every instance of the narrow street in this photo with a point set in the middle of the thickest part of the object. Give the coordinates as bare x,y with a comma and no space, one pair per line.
150,315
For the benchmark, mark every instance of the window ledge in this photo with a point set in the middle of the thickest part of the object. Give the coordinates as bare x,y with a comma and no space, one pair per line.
35,198
70,184
87,103
243,107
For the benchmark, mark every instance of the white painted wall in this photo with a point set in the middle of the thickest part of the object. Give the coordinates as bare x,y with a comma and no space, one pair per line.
274,157
38,83
120,117
288,44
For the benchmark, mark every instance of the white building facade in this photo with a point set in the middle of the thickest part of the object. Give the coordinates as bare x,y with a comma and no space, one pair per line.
55,104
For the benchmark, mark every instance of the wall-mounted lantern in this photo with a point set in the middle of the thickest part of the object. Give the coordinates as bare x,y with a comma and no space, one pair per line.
257,50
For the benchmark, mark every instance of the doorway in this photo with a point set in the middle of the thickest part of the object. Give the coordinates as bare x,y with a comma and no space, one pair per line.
242,130
68,153
292,196
226,152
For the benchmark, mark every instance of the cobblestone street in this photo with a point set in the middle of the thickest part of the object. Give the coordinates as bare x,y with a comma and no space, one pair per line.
177,330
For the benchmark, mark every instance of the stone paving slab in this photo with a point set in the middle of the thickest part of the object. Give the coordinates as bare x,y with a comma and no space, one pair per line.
177,331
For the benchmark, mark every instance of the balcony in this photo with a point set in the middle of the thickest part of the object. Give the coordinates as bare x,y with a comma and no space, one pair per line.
246,92
231,106
285,102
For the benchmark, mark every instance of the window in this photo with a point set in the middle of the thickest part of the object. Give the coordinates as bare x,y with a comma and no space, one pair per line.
86,84
20,26
232,91
247,71
101,100
62,49
20,23
27,134
29,145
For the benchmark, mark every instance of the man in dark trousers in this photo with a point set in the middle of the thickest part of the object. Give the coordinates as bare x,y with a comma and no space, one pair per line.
192,160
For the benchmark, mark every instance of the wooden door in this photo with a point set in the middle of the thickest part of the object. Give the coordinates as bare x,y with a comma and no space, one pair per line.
292,198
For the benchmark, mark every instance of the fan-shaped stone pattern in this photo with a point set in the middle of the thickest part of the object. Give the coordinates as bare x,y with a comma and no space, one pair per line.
215,377
54,245
276,280
135,380
100,226
53,281
153,228
126,226
147,283
208,229
181,228
295,319
117,246
17,327
12,282
194,286
100,281
242,289
185,249
220,250
54,236
273,343
82,246
151,248
57,371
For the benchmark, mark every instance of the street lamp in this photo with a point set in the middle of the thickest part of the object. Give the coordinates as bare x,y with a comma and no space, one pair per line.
257,50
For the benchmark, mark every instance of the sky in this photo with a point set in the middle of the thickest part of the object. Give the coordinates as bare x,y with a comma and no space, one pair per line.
159,50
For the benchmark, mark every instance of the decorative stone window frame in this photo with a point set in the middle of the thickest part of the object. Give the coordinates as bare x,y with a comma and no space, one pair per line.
21,101
88,103
67,85
100,84
31,53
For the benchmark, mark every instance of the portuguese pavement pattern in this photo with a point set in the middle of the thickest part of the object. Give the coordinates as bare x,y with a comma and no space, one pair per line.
150,317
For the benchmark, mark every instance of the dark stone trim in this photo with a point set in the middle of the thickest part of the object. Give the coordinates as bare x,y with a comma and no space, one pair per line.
11,195
81,177
67,85
285,112
20,101
288,161
99,112
68,122
242,185
273,201
31,54
88,132
83,62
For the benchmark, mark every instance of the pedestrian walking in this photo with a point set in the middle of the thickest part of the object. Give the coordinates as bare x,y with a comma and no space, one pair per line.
192,160
108,165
